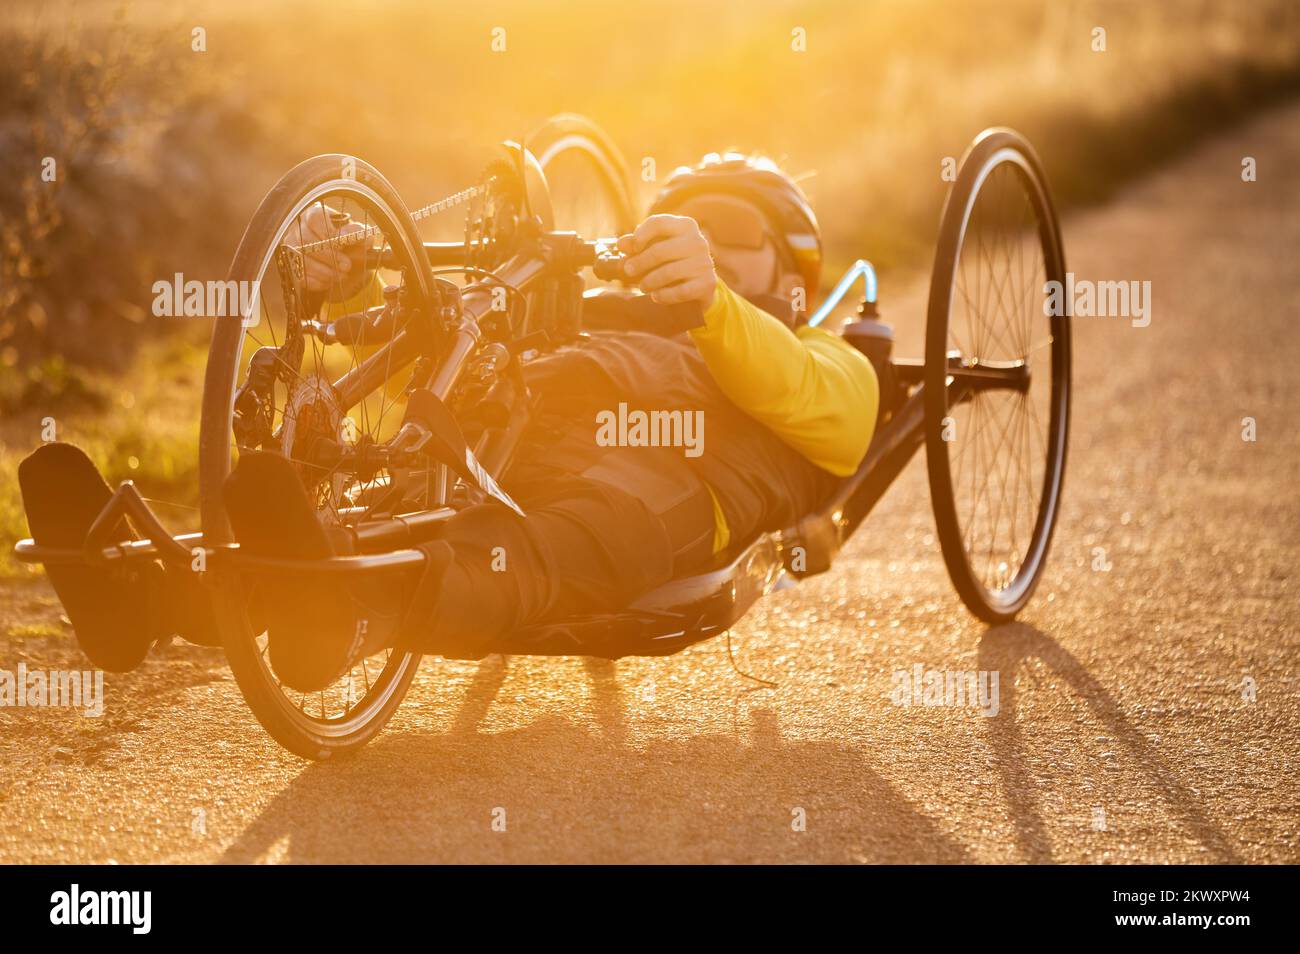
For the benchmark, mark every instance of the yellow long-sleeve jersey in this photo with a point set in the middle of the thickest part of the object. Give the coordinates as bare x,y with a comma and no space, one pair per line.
810,388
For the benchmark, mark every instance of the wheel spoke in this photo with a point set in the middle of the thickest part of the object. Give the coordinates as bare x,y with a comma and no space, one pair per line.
306,412
996,475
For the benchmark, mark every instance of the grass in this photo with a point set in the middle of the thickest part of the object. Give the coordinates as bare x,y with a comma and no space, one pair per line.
165,151
141,425
23,631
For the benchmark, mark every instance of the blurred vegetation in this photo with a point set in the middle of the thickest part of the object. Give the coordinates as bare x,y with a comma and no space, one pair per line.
107,166
163,152
140,426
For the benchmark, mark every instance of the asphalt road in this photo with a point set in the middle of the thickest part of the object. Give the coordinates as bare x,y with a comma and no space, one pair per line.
1123,732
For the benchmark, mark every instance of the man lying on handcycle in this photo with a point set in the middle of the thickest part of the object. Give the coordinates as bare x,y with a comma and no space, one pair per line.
787,409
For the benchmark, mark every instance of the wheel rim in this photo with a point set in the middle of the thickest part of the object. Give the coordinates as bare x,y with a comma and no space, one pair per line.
573,162
1004,460
367,690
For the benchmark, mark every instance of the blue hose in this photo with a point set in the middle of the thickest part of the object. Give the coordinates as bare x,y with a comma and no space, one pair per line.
860,267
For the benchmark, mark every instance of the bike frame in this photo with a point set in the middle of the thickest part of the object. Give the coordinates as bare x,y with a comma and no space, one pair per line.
681,612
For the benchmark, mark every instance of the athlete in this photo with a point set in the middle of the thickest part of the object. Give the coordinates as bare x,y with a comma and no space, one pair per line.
784,410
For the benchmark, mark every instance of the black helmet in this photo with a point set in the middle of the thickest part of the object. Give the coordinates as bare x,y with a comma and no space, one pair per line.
759,181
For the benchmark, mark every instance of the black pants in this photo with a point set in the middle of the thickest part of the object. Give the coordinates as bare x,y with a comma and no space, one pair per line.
603,526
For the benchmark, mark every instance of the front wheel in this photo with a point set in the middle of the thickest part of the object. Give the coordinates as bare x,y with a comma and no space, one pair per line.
313,391
996,454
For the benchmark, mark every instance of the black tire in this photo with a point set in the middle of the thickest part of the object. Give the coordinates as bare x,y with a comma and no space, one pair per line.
289,723
1000,189
587,175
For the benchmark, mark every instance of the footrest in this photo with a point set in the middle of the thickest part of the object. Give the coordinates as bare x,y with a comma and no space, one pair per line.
118,609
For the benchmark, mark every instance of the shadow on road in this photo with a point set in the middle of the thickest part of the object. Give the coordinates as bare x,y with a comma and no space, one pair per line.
573,792
1004,649
579,791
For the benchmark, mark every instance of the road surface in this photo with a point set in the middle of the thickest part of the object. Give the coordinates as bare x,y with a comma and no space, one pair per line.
1124,732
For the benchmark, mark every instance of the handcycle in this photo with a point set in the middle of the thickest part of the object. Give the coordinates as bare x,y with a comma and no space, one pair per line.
401,408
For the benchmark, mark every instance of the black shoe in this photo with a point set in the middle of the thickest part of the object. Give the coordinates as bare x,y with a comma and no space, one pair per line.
311,622
117,611
417,624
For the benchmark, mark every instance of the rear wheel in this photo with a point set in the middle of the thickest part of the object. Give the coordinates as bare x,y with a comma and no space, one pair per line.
996,456
302,407
588,177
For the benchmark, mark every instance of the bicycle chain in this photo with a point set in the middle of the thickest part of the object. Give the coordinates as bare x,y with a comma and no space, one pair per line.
424,212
